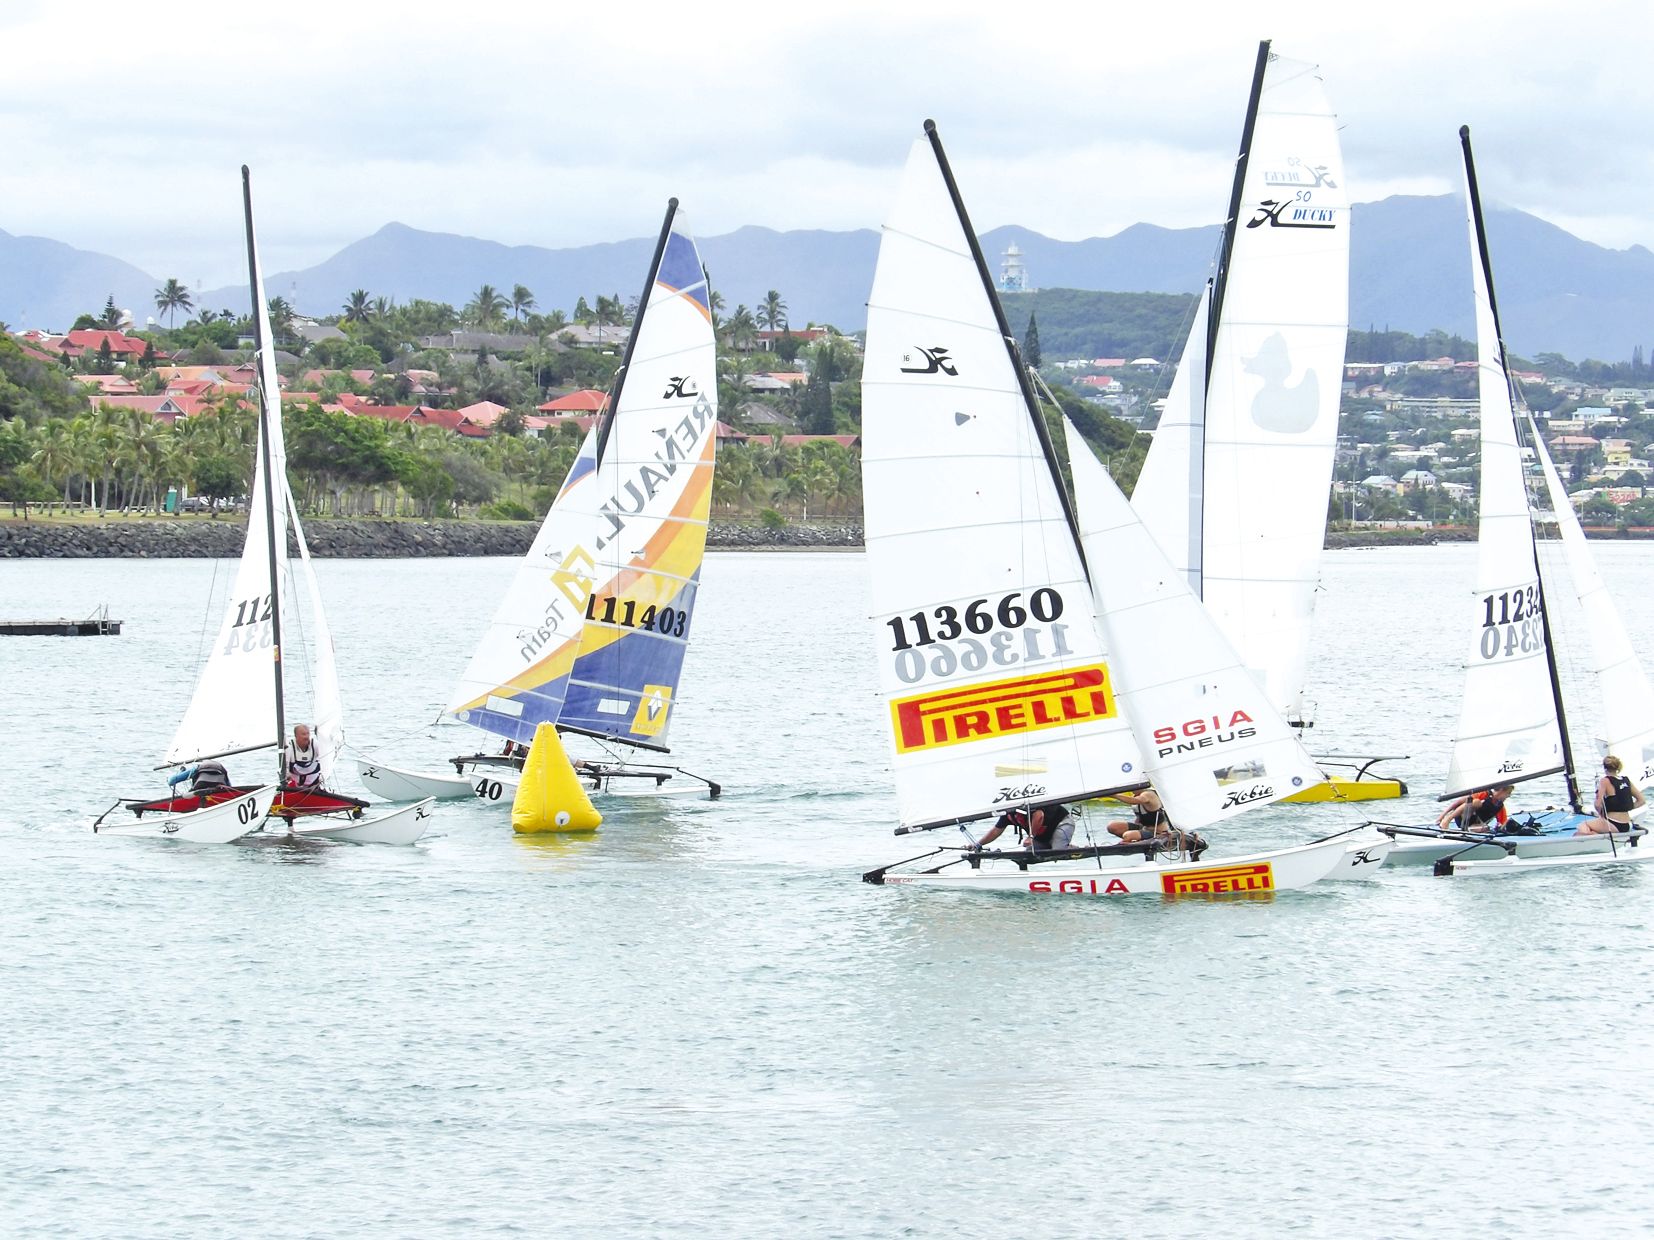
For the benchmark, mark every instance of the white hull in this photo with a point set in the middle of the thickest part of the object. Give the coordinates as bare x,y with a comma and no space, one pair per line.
217,824
1363,857
1519,865
1255,874
390,783
402,826
1423,852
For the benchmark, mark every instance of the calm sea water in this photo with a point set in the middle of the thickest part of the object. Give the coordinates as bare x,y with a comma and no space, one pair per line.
699,1022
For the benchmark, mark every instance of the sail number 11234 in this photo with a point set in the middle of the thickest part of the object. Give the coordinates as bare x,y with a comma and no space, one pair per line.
1512,623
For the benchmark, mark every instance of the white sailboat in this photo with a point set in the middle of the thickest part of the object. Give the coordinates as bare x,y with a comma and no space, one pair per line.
1234,488
1512,724
1002,683
592,632
239,704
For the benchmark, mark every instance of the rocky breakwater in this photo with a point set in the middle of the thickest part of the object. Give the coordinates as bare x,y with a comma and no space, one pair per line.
197,538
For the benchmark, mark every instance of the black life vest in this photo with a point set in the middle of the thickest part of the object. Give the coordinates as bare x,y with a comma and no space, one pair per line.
208,777
1622,800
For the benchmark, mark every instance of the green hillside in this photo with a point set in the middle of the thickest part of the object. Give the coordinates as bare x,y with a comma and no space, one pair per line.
1081,323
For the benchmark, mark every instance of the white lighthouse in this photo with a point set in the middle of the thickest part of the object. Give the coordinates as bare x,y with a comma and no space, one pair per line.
1013,276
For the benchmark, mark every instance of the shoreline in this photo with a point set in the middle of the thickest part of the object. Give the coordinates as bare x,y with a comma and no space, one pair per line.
121,537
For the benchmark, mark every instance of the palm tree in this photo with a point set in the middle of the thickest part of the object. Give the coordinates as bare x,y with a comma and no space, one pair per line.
55,453
281,319
743,328
172,297
358,307
522,301
715,303
486,308
773,312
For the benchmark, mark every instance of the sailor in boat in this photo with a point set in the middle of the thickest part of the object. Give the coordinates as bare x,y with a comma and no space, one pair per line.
1148,819
203,777
1043,827
1617,796
304,762
1474,812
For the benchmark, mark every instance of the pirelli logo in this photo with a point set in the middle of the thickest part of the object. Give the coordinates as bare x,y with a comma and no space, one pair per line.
1002,708
1220,880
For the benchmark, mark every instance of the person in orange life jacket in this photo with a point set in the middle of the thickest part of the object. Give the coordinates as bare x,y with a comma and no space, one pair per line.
1044,826
1617,796
1473,812
304,760
1148,820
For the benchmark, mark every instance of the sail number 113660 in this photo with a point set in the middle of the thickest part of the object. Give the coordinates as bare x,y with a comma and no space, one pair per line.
979,616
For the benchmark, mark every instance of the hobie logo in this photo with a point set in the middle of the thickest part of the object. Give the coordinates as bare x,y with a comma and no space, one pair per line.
1245,796
936,360
1220,880
1511,766
1291,213
1298,174
1026,792
680,385
1002,708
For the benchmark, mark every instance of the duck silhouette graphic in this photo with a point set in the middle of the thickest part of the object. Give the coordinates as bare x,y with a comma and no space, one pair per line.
1279,407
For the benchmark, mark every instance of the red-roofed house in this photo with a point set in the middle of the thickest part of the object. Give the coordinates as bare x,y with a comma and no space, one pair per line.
166,409
843,441
589,400
109,385
541,427
122,347
804,335
484,413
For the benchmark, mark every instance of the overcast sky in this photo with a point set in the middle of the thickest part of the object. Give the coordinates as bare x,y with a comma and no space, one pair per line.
122,130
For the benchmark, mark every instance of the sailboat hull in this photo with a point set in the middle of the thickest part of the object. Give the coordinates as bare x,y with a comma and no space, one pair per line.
223,822
403,826
1340,788
1252,875
392,783
1557,840
289,802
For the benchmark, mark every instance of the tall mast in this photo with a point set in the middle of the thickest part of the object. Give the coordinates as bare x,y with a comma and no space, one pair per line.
1504,369
1028,400
255,285
607,424
1218,286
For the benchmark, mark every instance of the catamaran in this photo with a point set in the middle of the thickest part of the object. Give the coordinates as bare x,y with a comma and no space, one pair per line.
999,649
1512,724
239,705
591,634
1234,487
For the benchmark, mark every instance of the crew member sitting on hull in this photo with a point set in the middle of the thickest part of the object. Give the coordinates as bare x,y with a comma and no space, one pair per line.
1474,812
1148,820
1617,796
1044,827
304,760
204,777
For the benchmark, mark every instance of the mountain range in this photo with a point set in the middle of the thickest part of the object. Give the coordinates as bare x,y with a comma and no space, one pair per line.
1409,271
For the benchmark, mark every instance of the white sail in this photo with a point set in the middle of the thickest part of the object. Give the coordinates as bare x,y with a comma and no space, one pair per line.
592,633
234,706
1271,400
1508,729
518,675
995,683
1212,744
1627,703
1170,491
327,706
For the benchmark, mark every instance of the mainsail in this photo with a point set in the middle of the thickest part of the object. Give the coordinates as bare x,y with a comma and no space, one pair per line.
592,634
1212,743
1627,703
996,686
236,706
1274,355
1509,722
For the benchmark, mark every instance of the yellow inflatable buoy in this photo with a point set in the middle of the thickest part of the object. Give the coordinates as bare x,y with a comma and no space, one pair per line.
551,797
